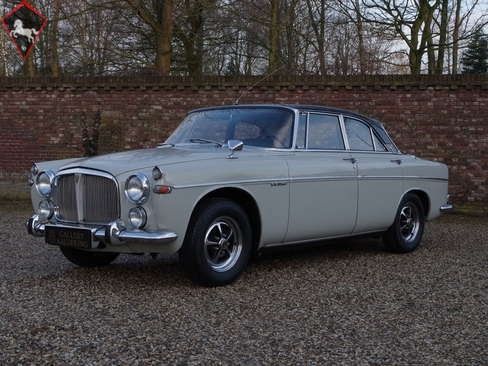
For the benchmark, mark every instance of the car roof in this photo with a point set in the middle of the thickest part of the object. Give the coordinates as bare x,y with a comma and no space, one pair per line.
302,107
375,124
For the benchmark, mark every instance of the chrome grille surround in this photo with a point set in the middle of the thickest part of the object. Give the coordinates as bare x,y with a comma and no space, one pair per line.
86,196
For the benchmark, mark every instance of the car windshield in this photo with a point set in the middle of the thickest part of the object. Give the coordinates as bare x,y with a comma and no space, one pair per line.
259,126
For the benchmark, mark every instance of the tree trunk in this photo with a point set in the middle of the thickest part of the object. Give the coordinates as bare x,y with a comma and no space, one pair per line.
455,38
4,52
28,68
161,22
273,36
439,68
192,35
360,34
164,34
54,40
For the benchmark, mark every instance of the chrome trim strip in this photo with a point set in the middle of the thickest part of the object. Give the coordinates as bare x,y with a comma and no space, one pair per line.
79,194
309,179
380,177
234,183
412,177
267,181
287,180
327,178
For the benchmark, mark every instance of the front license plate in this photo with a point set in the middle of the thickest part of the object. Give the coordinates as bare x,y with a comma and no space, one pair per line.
68,237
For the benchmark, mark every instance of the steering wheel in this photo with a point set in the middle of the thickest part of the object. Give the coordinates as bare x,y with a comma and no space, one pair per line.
271,137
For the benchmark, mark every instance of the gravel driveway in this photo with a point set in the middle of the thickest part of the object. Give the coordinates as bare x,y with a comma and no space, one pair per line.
348,303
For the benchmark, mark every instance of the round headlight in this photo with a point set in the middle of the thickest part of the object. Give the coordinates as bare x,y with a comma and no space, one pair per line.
46,209
137,217
44,183
137,188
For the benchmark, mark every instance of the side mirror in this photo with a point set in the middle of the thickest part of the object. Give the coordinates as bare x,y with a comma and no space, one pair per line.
234,145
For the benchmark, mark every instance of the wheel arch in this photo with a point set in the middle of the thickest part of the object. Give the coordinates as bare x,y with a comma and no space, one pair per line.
247,202
424,198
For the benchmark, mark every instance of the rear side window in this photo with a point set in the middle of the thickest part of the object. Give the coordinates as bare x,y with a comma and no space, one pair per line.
359,135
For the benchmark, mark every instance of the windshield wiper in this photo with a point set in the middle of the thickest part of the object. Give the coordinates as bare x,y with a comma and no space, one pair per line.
205,141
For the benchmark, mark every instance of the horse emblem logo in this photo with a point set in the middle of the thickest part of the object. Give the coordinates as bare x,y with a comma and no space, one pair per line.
20,31
24,25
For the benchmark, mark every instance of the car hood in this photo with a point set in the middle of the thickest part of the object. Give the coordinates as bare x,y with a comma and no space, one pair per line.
119,163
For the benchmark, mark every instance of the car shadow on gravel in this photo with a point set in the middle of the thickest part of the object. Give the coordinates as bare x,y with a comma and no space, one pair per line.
163,271
129,272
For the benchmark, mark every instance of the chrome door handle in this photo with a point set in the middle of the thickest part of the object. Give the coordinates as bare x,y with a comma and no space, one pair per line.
352,160
398,161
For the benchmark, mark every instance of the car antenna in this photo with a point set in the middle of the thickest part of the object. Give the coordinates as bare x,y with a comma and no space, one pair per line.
265,77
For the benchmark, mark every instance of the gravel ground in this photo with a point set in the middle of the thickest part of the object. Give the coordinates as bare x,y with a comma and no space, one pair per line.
345,303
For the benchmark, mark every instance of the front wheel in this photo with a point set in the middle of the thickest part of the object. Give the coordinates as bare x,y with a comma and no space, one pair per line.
217,244
85,258
406,232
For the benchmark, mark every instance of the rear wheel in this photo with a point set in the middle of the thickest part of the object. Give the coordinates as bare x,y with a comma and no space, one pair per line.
217,244
406,232
85,258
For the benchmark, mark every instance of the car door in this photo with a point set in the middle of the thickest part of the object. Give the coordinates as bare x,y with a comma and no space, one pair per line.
380,177
323,181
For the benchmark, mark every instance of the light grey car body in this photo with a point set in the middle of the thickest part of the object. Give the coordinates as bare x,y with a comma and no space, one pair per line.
303,190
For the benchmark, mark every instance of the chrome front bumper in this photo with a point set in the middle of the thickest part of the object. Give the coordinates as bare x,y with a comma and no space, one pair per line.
115,233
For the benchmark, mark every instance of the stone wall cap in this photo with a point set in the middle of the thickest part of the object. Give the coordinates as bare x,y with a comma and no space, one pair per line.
245,81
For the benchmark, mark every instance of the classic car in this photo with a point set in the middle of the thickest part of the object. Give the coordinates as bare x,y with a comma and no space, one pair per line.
233,180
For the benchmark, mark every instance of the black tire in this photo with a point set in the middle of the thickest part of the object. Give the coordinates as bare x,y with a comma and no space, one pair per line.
406,232
217,245
85,258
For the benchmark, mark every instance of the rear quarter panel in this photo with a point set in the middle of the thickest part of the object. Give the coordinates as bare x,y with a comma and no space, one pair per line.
427,176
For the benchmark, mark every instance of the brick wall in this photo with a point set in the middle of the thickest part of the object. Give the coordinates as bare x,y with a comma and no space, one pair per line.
441,118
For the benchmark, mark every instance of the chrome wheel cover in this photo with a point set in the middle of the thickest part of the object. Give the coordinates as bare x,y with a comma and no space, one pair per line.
223,244
409,222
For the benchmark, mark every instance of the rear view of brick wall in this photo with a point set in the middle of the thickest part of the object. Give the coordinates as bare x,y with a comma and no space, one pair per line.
441,118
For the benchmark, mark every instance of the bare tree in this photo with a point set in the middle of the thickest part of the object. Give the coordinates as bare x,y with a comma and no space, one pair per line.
245,37
159,17
410,20
189,28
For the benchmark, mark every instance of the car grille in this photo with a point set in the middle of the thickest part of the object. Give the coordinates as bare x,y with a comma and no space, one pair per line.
86,198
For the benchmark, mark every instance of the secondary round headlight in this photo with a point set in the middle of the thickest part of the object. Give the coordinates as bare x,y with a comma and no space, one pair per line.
137,217
46,209
44,183
137,188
